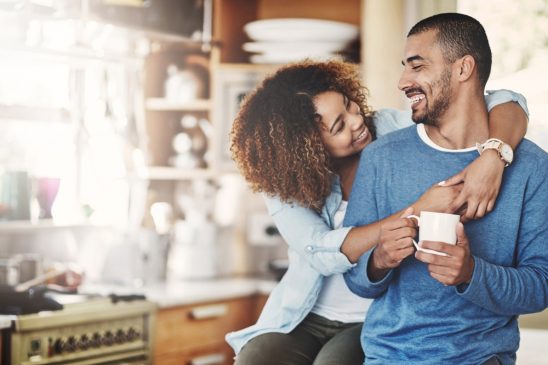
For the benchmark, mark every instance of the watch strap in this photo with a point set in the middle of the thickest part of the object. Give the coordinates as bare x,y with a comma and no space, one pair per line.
495,144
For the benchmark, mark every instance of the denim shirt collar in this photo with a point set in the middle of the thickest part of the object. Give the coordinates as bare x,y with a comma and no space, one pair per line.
332,202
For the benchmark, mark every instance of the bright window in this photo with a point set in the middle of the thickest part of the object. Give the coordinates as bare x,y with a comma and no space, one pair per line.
518,34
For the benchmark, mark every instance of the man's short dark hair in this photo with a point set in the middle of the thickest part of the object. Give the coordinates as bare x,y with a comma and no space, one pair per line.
459,35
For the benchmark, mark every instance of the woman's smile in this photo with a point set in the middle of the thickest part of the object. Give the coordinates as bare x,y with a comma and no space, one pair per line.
363,137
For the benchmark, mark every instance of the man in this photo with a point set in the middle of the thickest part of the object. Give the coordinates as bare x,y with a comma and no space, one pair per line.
462,308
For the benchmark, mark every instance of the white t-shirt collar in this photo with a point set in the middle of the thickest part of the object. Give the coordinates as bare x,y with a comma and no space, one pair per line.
424,136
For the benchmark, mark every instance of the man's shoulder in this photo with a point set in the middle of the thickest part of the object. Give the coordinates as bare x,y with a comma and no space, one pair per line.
531,162
529,154
528,146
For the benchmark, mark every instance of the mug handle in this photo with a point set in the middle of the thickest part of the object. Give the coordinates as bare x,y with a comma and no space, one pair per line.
418,224
419,248
416,217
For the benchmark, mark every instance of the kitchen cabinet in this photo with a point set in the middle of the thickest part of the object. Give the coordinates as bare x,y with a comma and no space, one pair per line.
165,109
96,69
230,16
225,77
194,334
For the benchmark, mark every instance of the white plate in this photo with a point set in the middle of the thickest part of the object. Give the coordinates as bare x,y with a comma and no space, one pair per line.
294,47
287,58
293,29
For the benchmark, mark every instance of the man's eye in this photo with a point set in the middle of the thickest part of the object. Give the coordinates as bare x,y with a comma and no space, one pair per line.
418,67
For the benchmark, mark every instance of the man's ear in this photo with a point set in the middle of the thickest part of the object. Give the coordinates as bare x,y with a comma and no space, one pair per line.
465,67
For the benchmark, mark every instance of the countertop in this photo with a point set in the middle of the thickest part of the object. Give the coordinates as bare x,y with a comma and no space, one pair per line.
532,349
189,292
171,294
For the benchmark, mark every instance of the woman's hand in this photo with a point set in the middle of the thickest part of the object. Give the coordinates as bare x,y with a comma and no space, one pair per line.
482,179
439,199
395,244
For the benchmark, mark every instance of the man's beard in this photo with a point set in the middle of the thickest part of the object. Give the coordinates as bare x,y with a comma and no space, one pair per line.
433,113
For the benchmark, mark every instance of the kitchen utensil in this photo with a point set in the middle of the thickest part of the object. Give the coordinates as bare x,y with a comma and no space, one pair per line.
162,216
276,58
30,266
15,195
300,29
27,301
9,271
46,192
181,85
297,47
40,279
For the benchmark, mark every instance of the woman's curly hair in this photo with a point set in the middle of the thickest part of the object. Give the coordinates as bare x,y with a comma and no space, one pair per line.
275,138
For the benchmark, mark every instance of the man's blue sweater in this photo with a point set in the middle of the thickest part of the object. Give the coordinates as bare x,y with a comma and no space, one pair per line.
417,320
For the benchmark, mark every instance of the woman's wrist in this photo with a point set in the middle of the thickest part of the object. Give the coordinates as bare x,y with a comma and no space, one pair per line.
493,156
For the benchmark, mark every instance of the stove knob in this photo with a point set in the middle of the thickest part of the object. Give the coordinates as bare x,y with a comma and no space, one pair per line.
95,340
108,338
84,342
120,336
70,346
132,334
58,346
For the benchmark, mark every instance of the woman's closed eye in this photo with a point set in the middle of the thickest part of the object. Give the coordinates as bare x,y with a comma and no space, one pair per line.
340,127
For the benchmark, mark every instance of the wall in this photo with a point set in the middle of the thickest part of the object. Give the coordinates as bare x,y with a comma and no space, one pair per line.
384,27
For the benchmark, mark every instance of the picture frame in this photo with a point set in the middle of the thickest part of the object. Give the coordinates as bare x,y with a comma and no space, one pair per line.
231,86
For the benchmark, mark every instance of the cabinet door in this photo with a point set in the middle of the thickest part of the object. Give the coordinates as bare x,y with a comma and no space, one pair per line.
195,332
221,354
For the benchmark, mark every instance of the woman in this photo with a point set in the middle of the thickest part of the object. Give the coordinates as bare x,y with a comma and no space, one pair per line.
297,139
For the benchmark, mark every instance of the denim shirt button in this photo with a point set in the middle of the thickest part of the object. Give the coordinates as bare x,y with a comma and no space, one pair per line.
309,248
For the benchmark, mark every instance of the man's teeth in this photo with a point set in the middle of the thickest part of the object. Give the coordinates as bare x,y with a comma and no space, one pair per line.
415,99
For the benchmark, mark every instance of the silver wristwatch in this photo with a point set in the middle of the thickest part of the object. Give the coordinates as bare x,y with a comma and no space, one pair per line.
504,150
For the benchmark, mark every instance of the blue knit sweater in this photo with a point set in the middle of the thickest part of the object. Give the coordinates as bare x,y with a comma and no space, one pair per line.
417,320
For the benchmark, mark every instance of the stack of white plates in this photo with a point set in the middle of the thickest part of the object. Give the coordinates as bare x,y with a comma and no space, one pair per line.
292,39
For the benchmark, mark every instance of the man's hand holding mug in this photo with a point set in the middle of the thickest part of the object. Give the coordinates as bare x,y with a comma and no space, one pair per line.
443,245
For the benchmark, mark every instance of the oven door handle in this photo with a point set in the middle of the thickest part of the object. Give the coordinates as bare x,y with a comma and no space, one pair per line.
213,359
209,311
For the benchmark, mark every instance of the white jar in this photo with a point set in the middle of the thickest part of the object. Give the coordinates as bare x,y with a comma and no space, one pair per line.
180,85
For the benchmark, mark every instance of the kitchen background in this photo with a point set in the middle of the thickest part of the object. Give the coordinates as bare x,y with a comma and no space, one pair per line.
114,120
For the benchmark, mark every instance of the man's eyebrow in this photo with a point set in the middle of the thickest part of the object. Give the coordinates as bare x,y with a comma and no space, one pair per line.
411,59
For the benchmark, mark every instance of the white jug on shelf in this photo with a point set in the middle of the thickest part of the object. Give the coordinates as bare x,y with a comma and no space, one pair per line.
180,85
193,253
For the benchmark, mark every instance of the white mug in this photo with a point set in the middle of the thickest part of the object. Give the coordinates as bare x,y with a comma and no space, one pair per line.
440,227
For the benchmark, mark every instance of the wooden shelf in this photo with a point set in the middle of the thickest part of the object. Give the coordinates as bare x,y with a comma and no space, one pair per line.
173,173
161,104
36,113
230,17
46,224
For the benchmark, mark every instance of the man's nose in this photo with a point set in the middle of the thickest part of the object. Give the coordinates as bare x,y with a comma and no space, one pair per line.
405,81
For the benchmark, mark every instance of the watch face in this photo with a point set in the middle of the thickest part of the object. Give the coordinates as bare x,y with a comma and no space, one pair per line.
506,153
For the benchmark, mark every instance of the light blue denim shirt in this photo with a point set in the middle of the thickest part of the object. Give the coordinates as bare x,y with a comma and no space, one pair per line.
314,247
